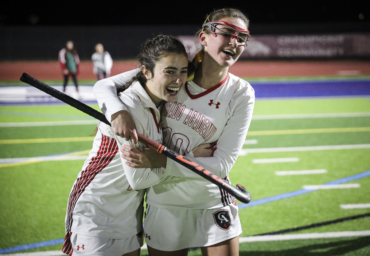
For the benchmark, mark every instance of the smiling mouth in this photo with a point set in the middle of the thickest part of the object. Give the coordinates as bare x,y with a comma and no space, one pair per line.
173,90
228,52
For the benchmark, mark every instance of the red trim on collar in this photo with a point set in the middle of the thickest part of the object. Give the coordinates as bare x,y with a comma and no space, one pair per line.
193,97
155,119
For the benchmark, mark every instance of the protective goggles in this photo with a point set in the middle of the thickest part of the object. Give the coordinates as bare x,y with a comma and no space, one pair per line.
228,30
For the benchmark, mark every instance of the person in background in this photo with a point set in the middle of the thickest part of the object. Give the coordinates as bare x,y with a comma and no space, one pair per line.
102,62
69,62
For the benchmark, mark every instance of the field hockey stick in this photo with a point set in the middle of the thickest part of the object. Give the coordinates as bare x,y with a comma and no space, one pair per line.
239,192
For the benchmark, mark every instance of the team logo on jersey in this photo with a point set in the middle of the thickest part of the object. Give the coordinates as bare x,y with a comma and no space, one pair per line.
211,103
222,219
82,247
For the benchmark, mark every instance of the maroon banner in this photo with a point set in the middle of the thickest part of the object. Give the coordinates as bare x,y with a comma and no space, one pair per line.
299,46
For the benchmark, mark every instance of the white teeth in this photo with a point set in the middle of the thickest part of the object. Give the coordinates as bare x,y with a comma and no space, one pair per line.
174,88
230,52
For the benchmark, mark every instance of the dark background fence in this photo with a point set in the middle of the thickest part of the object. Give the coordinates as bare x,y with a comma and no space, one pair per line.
123,42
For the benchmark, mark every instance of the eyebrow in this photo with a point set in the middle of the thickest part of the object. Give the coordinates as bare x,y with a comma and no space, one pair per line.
175,68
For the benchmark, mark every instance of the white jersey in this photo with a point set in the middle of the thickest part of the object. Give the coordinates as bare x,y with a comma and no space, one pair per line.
107,198
220,114
102,62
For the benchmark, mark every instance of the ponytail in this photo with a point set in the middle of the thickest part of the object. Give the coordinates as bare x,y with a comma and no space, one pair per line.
194,64
139,77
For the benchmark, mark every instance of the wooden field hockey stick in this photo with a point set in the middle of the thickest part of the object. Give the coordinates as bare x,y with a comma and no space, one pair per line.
239,192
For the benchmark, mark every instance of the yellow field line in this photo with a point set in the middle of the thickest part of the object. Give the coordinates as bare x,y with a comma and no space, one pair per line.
79,153
46,140
250,133
21,163
308,131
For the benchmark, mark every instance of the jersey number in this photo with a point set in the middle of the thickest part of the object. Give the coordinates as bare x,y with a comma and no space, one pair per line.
177,142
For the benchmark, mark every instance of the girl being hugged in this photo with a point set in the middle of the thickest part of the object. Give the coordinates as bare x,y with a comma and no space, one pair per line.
215,107
105,206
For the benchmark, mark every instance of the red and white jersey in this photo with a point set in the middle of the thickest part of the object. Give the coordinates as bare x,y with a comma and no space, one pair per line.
221,114
107,198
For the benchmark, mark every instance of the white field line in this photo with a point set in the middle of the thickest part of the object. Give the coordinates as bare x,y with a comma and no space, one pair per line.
338,186
301,172
303,236
354,206
250,142
275,160
331,115
56,123
244,152
248,239
52,253
39,159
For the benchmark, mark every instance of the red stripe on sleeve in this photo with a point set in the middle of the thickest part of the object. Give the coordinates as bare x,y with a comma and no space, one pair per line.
107,150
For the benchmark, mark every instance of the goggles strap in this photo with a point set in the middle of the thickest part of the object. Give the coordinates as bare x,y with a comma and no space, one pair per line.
212,25
205,21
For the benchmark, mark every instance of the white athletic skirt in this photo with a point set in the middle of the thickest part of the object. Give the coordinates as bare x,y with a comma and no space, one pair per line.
96,246
172,229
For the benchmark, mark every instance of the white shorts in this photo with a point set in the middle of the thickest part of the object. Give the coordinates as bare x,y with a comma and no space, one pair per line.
172,229
97,246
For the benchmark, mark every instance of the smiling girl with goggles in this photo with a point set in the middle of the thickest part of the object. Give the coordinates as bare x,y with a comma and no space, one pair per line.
228,30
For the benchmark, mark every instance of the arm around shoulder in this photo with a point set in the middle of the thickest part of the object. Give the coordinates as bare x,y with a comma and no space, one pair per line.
105,92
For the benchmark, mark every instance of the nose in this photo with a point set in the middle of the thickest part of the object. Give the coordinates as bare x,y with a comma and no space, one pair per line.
179,80
233,40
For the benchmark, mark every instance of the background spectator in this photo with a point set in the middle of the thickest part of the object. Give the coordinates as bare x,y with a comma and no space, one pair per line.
69,62
102,62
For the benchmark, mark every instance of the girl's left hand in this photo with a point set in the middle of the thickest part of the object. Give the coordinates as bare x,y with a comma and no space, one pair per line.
138,157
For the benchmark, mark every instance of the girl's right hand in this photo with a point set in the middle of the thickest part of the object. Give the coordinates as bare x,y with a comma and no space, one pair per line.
138,157
124,126
204,150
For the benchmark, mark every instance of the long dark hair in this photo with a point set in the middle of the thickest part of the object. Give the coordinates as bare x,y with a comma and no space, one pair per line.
152,51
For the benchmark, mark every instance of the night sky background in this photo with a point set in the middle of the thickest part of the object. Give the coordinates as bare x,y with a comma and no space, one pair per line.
138,12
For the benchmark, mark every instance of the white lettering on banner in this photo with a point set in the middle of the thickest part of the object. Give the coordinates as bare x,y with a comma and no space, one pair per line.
256,48
284,40
191,44
314,52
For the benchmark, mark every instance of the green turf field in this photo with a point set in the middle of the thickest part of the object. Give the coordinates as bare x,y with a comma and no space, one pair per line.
35,192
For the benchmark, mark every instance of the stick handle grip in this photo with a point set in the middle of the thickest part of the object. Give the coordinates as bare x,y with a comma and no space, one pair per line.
149,142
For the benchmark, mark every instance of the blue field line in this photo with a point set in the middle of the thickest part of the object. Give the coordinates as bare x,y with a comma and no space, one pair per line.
31,246
303,191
